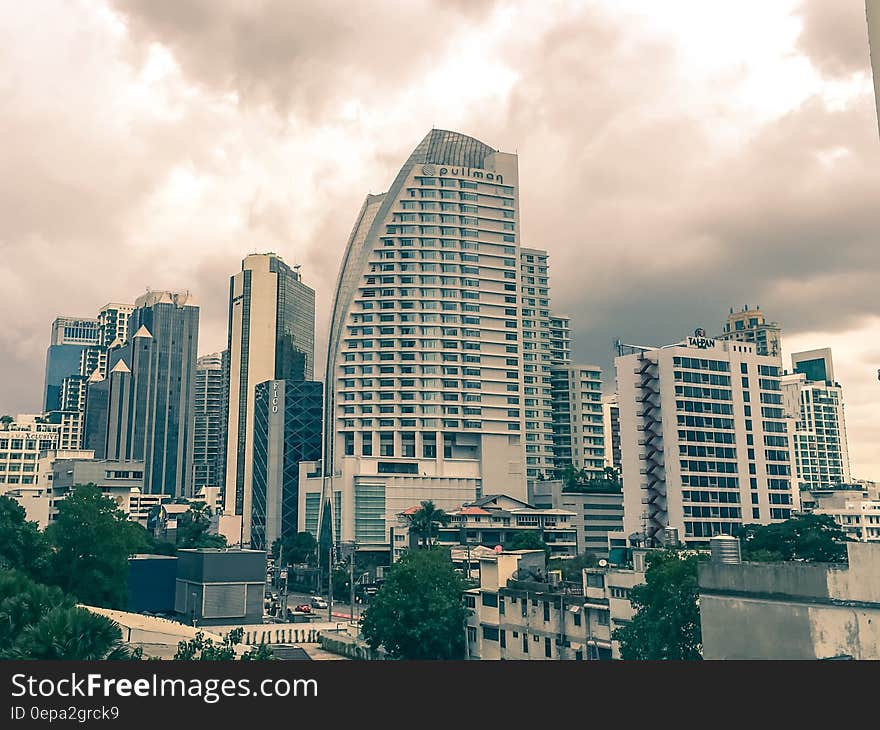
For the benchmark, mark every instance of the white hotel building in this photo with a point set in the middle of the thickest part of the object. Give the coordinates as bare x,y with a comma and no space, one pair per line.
425,368
706,444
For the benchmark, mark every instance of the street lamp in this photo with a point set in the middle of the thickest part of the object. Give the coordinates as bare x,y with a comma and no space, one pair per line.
349,550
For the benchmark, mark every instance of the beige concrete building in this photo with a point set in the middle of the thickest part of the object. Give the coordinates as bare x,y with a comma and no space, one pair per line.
22,440
855,508
425,364
706,444
792,610
814,400
578,430
518,613
750,325
596,512
537,357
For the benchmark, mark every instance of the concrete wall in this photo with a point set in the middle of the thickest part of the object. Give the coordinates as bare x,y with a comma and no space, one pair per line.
792,610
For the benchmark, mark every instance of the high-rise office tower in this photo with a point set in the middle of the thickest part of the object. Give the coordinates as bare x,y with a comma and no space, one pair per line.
271,337
72,349
815,400
578,431
537,359
113,321
209,434
287,432
750,325
74,354
576,407
148,394
705,439
424,367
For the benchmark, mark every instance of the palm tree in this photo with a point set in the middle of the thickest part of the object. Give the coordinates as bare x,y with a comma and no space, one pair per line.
71,633
425,521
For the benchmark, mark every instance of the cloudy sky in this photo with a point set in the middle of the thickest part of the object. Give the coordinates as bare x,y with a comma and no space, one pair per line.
676,158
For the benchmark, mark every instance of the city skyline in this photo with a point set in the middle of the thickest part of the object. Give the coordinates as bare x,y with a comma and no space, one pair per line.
685,266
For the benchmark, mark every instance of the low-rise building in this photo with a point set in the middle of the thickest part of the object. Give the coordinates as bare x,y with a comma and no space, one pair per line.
495,520
597,510
21,441
519,612
151,583
792,610
220,586
607,598
856,509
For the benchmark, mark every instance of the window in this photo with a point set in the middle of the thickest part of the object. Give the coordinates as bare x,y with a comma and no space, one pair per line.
490,633
548,647
429,445
386,444
490,599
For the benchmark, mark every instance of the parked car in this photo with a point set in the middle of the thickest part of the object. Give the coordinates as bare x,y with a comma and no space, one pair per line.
318,602
304,608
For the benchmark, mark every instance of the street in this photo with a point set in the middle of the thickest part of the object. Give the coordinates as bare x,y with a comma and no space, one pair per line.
340,610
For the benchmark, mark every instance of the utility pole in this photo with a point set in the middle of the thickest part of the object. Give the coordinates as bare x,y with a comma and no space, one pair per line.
351,585
561,622
330,583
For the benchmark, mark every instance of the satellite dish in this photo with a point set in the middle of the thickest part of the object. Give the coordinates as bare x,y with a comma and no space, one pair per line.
499,549
603,563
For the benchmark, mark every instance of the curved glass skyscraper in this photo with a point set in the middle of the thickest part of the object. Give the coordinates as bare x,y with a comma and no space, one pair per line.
424,373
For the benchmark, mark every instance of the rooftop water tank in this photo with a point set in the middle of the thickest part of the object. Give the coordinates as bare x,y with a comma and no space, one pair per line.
725,549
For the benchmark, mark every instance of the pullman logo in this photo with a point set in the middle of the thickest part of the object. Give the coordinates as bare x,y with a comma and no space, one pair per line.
429,170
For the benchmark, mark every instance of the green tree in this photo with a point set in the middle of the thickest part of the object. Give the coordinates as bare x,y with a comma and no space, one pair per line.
580,480
425,522
666,624
71,632
811,538
6,419
22,545
41,622
527,540
92,540
572,567
22,603
419,612
341,585
203,649
298,548
193,526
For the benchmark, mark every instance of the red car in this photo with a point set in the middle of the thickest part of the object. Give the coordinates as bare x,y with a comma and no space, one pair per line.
304,608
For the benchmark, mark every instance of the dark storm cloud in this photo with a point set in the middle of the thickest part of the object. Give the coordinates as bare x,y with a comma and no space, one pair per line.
662,200
834,35
654,228
302,56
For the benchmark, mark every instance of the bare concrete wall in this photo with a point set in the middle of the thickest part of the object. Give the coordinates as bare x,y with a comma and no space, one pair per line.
792,579
735,628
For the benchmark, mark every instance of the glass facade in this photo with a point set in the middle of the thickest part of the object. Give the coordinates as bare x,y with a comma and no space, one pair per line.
209,435
287,431
152,415
267,292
